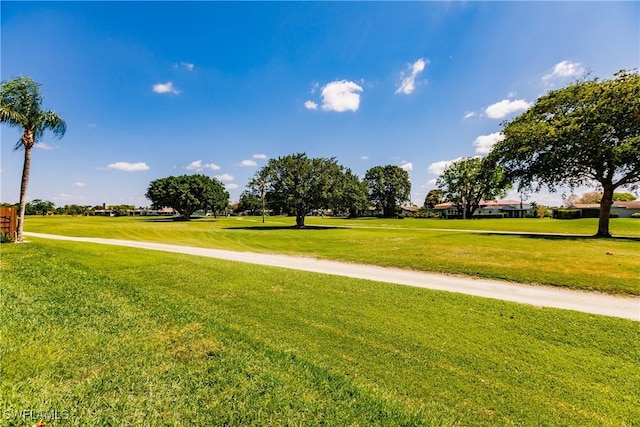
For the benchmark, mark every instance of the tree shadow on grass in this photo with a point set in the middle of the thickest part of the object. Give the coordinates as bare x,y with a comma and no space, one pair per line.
566,237
179,219
281,227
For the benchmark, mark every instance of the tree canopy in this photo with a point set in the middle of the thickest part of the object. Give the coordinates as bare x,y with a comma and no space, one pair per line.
187,194
388,187
584,134
470,180
434,197
21,107
299,184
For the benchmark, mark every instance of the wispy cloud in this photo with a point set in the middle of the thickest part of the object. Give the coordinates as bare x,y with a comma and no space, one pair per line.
365,157
310,105
260,156
248,163
79,184
408,166
231,186
502,109
484,143
224,177
198,166
341,96
165,88
564,69
128,167
469,114
43,146
187,65
408,83
439,167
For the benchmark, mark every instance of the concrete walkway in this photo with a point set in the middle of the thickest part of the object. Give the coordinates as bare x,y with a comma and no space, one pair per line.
542,296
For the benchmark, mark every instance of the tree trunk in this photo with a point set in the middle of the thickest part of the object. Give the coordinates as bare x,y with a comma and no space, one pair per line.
26,168
300,214
605,210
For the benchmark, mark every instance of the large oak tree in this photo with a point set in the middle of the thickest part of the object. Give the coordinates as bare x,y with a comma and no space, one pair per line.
389,186
585,133
187,194
470,180
299,184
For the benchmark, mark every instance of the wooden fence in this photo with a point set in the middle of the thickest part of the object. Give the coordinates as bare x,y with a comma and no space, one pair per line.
8,221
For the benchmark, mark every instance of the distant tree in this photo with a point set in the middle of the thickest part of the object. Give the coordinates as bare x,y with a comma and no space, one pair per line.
470,180
187,193
299,184
590,197
596,197
249,202
354,195
119,210
388,187
21,107
434,197
586,132
39,207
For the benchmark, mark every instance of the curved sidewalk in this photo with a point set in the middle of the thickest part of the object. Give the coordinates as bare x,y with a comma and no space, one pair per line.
542,296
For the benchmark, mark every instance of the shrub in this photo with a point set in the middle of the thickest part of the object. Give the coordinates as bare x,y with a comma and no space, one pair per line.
635,215
5,237
614,215
568,214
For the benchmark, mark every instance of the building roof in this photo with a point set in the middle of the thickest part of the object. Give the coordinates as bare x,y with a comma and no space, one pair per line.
628,205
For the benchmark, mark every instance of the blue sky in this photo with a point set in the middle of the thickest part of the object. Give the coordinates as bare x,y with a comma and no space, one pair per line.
152,89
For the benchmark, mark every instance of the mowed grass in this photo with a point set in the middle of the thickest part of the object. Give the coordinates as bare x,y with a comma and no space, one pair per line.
118,336
604,265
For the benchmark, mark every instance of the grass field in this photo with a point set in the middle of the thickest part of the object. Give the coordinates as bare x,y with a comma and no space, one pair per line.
605,265
118,336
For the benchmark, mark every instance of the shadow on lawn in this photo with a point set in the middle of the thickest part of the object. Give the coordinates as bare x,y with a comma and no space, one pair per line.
565,236
283,227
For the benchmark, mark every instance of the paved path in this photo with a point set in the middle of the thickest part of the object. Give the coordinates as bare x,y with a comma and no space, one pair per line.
543,296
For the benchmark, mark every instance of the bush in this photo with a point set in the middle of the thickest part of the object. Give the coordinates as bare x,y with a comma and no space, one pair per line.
485,216
5,237
614,215
568,214
635,215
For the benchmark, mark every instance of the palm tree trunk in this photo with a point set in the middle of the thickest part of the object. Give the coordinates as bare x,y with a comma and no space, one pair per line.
23,191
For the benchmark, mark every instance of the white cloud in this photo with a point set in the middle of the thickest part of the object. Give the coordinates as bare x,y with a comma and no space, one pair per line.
564,69
430,183
407,86
43,146
469,114
439,167
341,96
365,157
231,186
78,184
260,156
224,177
310,105
484,143
502,109
129,167
408,166
188,65
199,167
248,163
165,88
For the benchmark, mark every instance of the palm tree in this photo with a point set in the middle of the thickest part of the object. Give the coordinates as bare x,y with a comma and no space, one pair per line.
21,107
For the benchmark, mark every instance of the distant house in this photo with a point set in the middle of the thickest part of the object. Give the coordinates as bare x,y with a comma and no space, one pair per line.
592,210
626,209
104,212
408,210
508,208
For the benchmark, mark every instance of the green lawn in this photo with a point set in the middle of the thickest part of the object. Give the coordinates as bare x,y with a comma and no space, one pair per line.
605,265
107,335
